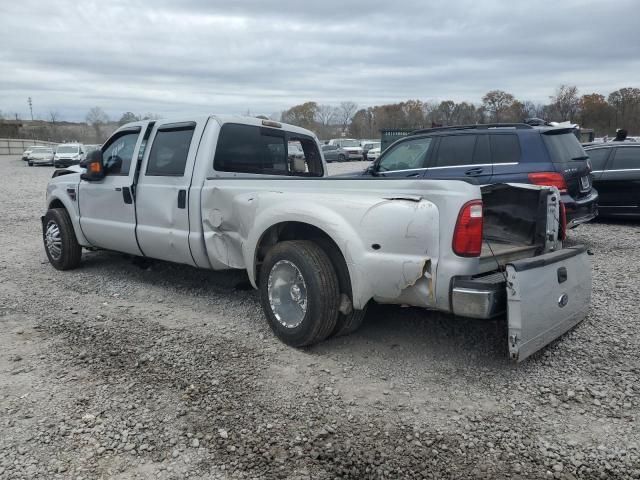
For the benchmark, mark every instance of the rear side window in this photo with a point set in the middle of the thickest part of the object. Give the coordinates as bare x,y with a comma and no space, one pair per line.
168,156
253,149
405,156
563,147
459,150
505,148
626,159
598,158
455,150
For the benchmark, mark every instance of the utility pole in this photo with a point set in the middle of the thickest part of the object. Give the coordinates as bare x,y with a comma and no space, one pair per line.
30,107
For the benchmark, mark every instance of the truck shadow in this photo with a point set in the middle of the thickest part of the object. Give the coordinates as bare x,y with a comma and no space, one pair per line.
387,331
419,334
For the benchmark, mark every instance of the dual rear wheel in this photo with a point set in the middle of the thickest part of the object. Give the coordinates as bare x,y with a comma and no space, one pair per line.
300,292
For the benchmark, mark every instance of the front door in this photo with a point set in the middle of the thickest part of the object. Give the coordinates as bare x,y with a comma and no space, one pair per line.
406,159
107,208
163,192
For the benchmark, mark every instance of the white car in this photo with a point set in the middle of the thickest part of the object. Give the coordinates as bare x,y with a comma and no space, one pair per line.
40,156
68,154
374,153
25,154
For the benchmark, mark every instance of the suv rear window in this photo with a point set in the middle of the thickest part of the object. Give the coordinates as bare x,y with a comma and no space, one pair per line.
563,147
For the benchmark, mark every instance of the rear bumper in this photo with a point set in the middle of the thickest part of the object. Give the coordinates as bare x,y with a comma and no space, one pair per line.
581,210
481,297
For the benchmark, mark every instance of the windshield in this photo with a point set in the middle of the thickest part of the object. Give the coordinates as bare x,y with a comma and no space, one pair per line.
349,143
41,150
564,147
67,149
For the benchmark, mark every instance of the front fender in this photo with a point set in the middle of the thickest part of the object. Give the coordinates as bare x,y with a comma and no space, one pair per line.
57,195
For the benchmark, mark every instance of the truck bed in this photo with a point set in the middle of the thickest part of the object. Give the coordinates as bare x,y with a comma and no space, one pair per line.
503,253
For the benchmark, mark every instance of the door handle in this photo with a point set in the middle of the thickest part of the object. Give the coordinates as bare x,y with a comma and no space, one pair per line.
473,171
182,199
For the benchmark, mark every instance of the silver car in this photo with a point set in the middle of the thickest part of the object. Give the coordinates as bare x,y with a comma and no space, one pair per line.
40,156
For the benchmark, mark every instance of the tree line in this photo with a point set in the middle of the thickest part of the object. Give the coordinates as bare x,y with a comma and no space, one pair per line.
620,109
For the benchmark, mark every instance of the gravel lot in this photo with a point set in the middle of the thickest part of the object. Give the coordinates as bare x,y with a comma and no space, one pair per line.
118,370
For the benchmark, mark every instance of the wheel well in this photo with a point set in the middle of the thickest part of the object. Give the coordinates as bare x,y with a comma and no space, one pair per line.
56,203
284,231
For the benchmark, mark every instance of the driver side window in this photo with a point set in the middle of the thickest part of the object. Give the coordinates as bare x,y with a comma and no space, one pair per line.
117,156
407,155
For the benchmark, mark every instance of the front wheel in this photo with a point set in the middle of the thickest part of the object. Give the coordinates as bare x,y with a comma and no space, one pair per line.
30,164
299,292
342,158
60,243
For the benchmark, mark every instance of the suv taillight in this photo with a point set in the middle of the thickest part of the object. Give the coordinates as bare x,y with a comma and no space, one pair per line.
552,179
467,236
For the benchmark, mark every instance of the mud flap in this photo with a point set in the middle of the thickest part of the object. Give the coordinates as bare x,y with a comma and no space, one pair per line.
546,297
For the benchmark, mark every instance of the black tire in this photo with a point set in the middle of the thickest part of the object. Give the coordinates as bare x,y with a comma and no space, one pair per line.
342,158
350,322
322,292
30,164
70,251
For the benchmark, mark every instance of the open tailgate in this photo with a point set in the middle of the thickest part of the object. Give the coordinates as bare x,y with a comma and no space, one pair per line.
546,296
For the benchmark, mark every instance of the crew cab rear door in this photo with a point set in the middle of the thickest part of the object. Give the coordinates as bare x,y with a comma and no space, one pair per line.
107,208
546,296
162,195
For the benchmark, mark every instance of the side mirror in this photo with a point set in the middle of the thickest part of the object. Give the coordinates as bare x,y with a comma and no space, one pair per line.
371,170
94,166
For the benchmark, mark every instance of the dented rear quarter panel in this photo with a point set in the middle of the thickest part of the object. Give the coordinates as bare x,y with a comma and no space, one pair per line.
411,222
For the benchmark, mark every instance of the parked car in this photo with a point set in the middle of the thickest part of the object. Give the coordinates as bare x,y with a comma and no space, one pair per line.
68,154
349,145
616,175
374,153
216,193
369,145
40,156
25,154
498,153
333,153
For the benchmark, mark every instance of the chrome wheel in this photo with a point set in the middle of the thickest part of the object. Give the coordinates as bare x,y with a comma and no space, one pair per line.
53,240
287,293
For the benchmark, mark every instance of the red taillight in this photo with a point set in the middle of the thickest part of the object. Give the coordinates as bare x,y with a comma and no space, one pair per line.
563,222
553,179
467,237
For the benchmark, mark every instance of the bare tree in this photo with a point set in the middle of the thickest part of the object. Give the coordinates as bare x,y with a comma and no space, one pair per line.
326,114
566,102
54,116
346,111
96,117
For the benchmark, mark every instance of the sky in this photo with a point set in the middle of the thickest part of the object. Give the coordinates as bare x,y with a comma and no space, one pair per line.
176,58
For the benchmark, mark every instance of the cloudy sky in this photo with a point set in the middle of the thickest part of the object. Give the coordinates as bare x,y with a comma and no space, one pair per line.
234,56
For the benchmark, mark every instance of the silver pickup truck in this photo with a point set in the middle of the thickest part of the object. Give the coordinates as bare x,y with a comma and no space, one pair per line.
224,192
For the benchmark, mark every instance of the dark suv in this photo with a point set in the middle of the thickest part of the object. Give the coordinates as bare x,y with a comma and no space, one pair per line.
498,153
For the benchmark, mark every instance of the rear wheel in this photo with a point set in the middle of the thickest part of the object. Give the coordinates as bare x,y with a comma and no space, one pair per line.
60,242
30,164
342,158
299,292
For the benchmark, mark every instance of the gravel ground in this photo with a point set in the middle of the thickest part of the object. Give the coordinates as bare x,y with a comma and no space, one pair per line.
118,370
